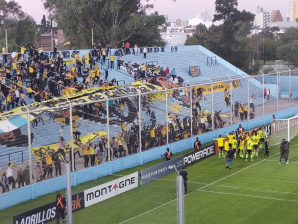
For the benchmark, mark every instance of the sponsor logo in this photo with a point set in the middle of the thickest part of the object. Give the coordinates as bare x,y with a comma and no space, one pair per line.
199,155
283,124
47,212
160,170
41,215
110,189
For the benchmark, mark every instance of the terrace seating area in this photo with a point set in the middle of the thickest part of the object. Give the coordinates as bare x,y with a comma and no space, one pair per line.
181,60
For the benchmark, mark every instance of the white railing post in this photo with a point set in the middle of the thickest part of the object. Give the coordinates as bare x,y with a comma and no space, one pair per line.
277,90
290,91
248,100
263,93
140,123
191,108
29,145
212,99
231,102
108,128
71,137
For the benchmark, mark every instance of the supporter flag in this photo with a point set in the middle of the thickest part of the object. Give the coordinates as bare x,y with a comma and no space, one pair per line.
176,108
66,43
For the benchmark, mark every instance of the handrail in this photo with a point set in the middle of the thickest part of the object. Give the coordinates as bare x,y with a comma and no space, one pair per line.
9,155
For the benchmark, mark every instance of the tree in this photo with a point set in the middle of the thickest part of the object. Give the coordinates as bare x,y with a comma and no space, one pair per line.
274,28
226,11
192,41
268,48
290,35
228,40
151,35
198,37
43,25
10,11
113,22
288,52
21,28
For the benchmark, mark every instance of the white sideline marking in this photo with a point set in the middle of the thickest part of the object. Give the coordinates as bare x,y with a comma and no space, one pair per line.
247,195
254,189
246,188
277,161
197,190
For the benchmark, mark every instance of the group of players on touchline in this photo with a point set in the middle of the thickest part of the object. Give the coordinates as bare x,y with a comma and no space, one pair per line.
244,144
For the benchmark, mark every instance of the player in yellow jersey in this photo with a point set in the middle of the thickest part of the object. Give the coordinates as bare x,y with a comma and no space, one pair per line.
241,148
255,143
231,136
220,145
227,146
249,147
234,146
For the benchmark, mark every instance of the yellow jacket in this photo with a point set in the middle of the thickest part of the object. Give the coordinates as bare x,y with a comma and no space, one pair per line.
49,160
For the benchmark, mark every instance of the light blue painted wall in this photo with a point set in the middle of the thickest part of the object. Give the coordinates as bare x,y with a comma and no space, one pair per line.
272,87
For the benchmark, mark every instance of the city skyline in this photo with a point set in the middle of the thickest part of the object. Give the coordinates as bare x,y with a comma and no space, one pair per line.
173,9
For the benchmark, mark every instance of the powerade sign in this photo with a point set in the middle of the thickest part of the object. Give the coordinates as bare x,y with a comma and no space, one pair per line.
199,155
110,189
46,213
161,170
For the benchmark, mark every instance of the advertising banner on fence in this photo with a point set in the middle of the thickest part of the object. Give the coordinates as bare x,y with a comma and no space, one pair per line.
218,87
110,189
198,155
46,213
160,170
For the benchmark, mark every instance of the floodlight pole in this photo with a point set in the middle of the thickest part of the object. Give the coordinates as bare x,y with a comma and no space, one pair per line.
92,37
52,47
6,40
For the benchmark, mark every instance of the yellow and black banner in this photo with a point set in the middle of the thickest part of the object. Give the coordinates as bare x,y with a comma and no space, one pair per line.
41,151
218,87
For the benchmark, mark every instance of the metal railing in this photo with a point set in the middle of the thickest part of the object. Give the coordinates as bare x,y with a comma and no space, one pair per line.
181,102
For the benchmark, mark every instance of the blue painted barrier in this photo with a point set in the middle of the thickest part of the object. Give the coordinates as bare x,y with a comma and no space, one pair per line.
55,184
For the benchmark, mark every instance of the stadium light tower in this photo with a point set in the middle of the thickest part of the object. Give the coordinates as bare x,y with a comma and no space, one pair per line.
4,23
255,46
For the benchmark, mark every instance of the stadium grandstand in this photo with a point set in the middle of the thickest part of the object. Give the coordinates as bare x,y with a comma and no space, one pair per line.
104,104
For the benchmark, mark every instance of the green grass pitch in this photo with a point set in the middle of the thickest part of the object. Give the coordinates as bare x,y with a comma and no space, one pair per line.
258,191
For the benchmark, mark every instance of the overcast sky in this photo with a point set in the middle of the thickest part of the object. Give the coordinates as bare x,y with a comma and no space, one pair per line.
183,9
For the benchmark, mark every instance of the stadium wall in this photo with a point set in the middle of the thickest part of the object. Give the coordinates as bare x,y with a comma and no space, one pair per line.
58,183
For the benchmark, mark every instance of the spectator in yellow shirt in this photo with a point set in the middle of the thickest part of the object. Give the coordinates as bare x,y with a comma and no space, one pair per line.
245,111
121,108
8,101
85,154
23,52
104,54
112,61
49,168
4,53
